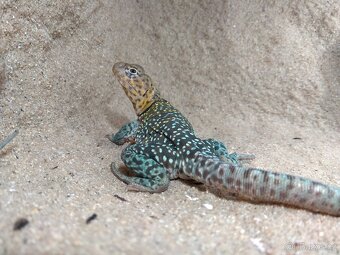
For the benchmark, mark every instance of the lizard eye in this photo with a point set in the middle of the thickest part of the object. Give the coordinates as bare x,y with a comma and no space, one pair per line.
131,72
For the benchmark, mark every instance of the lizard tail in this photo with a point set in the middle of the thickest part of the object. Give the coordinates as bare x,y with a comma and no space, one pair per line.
266,186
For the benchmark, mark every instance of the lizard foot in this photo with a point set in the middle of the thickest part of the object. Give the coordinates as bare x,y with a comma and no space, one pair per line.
156,184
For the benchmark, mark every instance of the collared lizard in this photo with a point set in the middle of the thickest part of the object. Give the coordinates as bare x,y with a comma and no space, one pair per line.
163,146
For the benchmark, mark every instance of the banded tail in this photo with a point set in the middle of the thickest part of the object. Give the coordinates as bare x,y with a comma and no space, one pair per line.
265,186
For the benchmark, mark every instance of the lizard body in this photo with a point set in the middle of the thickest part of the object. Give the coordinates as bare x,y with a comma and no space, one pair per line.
163,146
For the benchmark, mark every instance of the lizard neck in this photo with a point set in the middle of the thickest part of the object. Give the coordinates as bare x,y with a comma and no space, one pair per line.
145,105
158,108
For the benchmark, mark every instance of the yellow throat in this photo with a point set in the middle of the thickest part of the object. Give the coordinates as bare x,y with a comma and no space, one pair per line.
136,84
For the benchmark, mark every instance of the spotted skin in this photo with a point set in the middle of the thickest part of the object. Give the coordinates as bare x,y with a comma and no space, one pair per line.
8,139
163,146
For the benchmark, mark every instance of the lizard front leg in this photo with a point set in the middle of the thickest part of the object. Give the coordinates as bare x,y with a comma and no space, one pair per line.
125,134
149,174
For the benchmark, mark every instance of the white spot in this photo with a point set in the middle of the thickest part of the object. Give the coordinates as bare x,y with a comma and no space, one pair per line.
191,198
258,244
208,206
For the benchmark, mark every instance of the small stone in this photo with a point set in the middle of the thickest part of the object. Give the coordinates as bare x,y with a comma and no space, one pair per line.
208,206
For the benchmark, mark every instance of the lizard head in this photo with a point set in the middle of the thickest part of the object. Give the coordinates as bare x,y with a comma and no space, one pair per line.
136,84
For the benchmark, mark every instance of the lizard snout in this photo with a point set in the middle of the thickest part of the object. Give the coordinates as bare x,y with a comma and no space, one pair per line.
118,67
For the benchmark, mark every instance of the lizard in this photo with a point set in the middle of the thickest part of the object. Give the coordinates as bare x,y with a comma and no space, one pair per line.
8,139
163,146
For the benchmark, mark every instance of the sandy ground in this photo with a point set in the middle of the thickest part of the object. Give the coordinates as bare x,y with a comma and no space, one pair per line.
254,74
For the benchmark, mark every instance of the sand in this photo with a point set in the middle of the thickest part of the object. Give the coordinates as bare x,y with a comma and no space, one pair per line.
254,74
